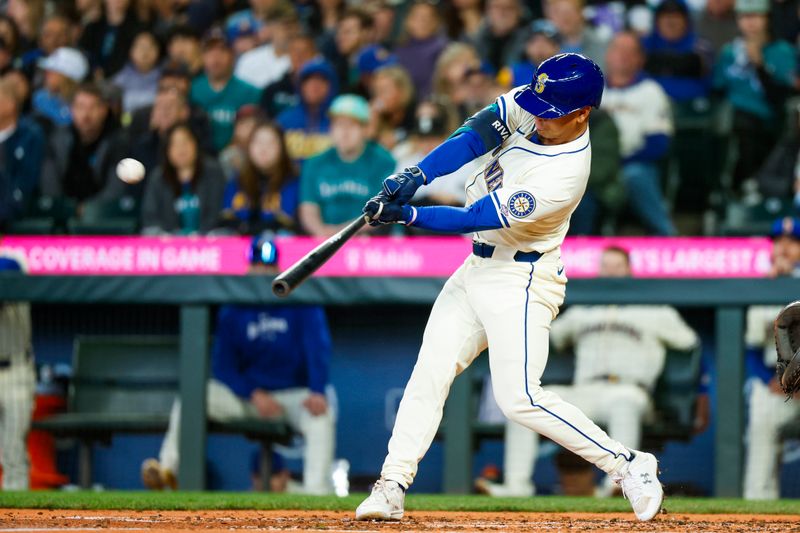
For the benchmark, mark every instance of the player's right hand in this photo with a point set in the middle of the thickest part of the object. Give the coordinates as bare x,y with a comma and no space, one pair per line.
402,186
381,210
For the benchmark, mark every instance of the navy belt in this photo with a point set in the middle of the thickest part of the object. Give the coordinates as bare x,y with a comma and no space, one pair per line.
486,250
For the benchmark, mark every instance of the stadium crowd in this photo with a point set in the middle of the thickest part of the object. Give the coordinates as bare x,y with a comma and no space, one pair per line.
286,115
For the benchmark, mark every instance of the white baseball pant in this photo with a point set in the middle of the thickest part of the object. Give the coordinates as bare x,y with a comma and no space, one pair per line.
508,306
17,389
767,413
223,405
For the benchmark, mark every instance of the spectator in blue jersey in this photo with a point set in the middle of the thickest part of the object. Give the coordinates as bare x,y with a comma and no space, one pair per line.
268,362
756,72
22,147
218,91
306,123
543,42
264,195
333,183
677,58
641,110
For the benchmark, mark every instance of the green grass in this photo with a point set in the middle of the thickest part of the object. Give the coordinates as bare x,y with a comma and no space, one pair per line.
249,500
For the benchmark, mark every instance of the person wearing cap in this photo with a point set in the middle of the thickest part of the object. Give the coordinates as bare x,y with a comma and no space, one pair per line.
284,93
17,383
501,36
370,59
268,362
218,90
82,157
677,58
534,153
641,110
767,407
337,182
64,69
242,34
108,40
307,123
139,78
22,148
269,62
543,42
576,35
756,73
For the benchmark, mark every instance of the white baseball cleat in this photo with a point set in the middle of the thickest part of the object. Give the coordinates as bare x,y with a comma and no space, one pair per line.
385,502
640,485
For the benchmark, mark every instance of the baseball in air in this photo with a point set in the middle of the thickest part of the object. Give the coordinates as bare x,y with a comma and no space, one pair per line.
130,170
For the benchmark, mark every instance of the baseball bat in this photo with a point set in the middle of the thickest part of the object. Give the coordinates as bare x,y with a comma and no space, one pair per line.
296,274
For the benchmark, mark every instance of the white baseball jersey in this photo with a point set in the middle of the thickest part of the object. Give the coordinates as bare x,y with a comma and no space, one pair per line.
533,191
628,342
638,110
759,332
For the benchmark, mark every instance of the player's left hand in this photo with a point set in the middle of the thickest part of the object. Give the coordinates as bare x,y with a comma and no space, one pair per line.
316,404
381,210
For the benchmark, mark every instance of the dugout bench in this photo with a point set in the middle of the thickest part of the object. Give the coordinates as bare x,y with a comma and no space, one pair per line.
128,385
674,401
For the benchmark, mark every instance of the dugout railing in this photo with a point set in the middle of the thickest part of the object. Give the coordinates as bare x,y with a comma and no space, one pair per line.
196,294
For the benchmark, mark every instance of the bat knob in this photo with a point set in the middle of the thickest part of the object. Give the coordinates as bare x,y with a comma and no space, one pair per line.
280,288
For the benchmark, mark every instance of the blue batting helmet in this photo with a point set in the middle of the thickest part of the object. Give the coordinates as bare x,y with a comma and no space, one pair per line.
561,85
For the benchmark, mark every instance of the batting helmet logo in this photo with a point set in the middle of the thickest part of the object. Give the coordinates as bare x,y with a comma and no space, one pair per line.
541,79
521,204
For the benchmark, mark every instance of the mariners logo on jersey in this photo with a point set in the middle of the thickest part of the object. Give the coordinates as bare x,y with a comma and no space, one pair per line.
521,204
541,79
493,174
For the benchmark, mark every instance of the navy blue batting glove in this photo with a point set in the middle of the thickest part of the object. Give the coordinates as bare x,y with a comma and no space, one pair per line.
380,211
402,186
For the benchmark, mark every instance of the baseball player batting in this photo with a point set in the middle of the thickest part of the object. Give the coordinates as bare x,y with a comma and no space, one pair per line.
533,143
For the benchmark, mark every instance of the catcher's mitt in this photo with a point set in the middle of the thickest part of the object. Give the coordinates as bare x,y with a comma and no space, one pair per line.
787,342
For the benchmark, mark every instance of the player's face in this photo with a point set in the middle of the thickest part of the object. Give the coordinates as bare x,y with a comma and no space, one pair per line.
614,265
563,129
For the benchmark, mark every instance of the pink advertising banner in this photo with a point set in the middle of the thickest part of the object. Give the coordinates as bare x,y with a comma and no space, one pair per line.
377,256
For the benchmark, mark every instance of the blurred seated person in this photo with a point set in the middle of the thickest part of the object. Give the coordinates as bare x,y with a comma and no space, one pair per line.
268,63
285,92
108,39
233,156
183,195
336,182
371,59
64,70
268,362
82,157
605,193
543,42
420,47
717,24
448,77
184,48
779,176
306,123
576,34
174,77
22,149
24,91
434,123
756,73
641,110
768,409
481,88
138,79
501,36
57,31
264,194
677,58
391,105
218,91
353,32
619,355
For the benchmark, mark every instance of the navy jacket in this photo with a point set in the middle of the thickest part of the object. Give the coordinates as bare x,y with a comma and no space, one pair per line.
271,348
23,153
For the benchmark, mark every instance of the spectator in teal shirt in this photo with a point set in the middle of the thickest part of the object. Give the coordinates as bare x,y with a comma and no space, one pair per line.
335,184
756,73
218,91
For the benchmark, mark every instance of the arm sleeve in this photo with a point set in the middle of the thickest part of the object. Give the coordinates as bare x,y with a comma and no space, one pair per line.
225,363
675,332
317,348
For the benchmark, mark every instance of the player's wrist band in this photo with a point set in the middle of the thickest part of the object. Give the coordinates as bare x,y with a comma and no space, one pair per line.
413,215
